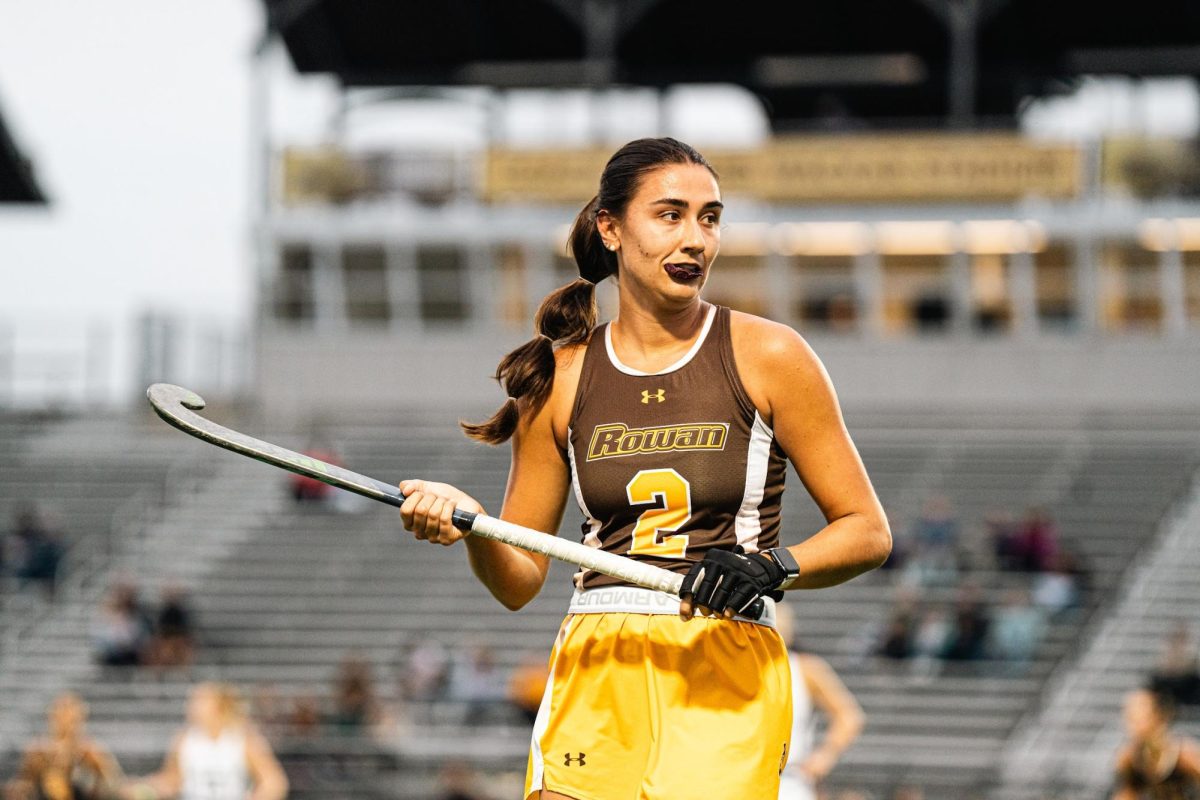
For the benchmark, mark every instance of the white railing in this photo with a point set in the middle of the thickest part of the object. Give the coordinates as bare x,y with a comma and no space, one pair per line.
70,363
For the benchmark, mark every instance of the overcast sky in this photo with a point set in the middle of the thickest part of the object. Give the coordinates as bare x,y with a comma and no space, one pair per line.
135,115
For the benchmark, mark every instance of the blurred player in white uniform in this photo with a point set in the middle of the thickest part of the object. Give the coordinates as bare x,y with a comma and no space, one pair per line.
219,756
814,686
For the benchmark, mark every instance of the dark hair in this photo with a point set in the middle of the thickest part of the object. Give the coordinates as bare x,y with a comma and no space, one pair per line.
1164,702
568,314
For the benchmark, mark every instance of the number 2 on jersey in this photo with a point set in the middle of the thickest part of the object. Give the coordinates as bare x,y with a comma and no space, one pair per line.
674,493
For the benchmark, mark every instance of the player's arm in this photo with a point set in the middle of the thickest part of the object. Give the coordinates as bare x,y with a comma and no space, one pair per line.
270,782
784,376
789,387
103,763
1122,789
845,715
1189,760
534,497
167,782
23,784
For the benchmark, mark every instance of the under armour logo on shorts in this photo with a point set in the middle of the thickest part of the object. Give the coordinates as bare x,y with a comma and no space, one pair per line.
568,759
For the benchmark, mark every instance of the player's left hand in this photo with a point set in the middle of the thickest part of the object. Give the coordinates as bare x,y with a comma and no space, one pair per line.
726,582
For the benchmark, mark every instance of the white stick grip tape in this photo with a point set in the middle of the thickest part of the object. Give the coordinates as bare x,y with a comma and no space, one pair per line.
627,569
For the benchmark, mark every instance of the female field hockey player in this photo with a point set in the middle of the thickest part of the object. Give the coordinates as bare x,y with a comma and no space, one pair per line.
67,765
219,756
1156,764
670,426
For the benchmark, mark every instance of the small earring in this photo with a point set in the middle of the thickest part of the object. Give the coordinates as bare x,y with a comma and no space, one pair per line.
611,246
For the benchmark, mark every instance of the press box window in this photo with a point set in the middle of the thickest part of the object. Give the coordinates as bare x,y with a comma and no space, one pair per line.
364,269
294,284
442,275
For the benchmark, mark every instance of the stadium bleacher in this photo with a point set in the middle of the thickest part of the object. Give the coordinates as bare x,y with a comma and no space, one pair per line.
285,592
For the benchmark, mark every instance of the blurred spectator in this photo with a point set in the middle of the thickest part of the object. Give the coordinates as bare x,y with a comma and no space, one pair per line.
37,552
1177,674
457,781
477,681
354,704
1056,590
1017,628
897,639
1075,565
1036,543
427,672
266,709
527,685
968,636
174,635
311,490
937,527
930,642
119,631
976,550
304,720
935,536
1002,535
66,764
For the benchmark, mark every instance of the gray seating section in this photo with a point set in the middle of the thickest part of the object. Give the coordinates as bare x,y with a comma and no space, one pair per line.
285,600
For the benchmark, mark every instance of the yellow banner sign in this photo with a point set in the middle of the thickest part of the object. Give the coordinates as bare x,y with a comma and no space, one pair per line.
824,169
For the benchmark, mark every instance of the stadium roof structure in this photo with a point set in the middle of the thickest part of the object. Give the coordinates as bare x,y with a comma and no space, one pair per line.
880,62
17,183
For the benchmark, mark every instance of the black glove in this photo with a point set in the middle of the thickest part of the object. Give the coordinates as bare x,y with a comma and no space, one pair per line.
736,580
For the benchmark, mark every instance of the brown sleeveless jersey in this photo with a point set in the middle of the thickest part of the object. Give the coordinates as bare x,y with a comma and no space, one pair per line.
1164,779
669,465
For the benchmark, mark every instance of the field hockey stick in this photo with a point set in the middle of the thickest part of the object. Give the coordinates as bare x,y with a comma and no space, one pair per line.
177,407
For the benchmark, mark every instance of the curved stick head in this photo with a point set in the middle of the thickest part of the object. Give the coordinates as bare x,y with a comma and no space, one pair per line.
167,396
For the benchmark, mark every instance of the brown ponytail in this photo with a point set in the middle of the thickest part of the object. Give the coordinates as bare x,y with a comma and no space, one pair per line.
568,314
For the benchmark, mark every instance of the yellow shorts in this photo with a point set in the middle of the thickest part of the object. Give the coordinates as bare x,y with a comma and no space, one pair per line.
645,706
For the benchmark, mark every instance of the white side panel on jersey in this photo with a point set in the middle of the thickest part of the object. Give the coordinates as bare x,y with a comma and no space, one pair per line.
592,537
748,523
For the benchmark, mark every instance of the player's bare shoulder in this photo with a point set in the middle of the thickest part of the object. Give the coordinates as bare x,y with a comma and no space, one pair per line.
555,414
767,340
568,365
773,359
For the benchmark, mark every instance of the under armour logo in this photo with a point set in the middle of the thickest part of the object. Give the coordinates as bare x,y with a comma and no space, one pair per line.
660,395
568,759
